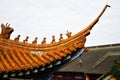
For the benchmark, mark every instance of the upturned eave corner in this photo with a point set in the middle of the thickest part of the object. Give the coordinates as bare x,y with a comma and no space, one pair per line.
88,29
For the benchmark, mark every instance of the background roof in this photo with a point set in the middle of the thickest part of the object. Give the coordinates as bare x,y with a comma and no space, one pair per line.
97,60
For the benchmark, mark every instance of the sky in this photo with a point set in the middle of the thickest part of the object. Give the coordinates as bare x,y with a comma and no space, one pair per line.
44,18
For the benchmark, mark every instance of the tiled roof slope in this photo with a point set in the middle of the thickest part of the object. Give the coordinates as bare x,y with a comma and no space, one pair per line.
13,58
16,58
97,60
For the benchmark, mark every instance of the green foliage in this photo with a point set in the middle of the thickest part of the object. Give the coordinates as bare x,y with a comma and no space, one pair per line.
115,70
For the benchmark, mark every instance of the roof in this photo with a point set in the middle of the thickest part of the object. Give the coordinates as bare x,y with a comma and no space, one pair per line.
97,60
17,57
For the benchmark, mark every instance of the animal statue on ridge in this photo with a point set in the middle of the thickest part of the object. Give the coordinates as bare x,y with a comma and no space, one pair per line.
6,31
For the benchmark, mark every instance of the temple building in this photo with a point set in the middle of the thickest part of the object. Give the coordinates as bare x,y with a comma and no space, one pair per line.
67,59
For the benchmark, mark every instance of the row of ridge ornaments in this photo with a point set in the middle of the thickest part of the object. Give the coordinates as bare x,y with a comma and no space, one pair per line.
6,29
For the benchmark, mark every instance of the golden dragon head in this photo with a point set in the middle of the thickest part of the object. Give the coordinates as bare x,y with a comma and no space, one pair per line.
6,31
